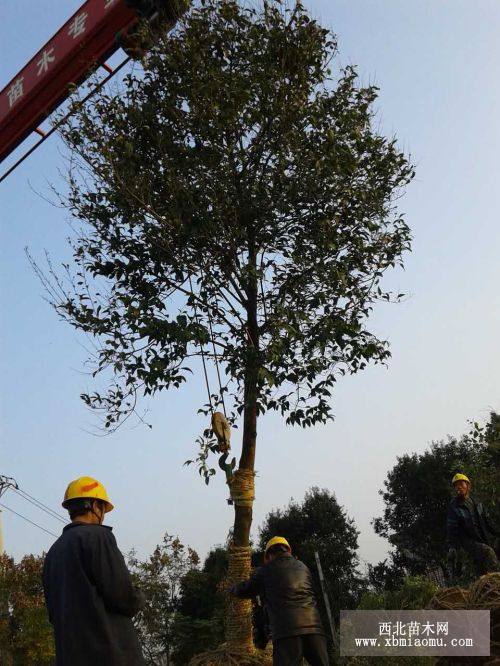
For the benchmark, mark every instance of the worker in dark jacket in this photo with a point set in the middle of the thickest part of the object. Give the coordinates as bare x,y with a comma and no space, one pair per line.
469,526
88,590
286,586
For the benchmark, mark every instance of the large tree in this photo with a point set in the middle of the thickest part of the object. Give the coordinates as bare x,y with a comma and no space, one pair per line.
236,199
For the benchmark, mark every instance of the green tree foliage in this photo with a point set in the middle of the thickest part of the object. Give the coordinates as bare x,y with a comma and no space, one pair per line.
26,637
414,594
418,491
199,621
159,577
185,603
320,524
388,574
486,473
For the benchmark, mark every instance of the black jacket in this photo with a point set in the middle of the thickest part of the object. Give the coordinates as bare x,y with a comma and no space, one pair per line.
90,599
286,586
461,526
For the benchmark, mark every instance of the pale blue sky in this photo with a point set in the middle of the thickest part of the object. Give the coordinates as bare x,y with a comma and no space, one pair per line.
438,66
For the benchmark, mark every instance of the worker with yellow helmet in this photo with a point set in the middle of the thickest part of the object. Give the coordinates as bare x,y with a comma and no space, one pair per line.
285,585
469,526
88,589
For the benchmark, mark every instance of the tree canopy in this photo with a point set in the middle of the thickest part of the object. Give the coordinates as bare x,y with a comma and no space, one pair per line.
239,157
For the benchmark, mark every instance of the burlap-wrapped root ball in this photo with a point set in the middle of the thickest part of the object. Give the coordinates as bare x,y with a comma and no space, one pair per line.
484,593
449,598
224,656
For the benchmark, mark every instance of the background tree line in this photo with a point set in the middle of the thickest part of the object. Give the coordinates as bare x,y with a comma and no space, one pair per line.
185,607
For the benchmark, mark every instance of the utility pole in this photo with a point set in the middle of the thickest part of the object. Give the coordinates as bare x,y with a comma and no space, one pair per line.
1,534
6,482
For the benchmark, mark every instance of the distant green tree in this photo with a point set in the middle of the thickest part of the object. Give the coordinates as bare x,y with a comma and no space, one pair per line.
199,621
26,637
418,491
159,577
320,524
386,575
414,593
485,474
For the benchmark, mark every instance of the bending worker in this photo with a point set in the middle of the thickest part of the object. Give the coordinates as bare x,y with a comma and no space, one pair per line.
285,584
88,589
469,526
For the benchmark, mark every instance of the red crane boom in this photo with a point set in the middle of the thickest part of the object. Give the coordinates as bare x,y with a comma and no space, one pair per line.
83,43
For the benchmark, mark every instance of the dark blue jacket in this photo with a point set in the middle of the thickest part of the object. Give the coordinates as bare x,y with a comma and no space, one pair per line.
461,526
285,585
91,600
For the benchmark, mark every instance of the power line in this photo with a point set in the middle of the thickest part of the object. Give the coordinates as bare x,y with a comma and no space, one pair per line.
8,483
29,521
40,505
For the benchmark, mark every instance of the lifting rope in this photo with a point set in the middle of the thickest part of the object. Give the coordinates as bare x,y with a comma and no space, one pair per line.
202,351
242,481
220,425
221,392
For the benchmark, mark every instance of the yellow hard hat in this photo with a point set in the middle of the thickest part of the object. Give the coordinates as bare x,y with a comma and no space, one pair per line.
277,540
459,477
86,487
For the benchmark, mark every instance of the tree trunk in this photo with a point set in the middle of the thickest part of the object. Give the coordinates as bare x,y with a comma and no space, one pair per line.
239,636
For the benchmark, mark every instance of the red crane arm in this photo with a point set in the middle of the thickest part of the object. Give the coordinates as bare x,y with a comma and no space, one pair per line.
67,59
